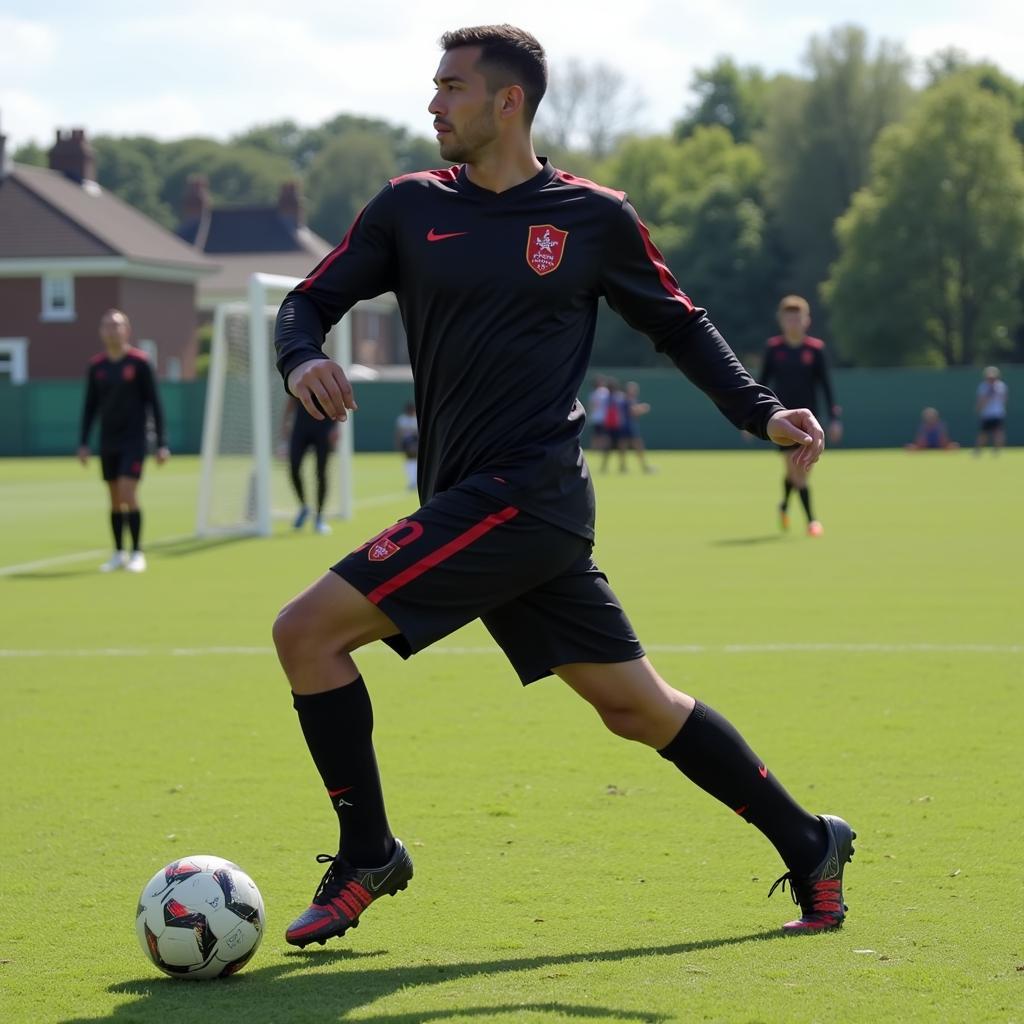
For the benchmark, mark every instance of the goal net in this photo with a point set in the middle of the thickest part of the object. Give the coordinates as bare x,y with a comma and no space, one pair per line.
244,479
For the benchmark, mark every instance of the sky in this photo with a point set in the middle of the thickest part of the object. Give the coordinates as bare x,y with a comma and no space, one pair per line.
216,67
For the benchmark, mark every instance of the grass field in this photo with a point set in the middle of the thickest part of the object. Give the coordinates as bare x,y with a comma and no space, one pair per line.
561,874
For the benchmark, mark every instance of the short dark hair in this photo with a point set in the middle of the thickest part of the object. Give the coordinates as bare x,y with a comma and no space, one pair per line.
508,56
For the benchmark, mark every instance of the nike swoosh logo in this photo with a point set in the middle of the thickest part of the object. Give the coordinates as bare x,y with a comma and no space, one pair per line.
375,885
433,236
762,771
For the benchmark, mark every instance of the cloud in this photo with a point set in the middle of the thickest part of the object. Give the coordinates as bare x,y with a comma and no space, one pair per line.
25,46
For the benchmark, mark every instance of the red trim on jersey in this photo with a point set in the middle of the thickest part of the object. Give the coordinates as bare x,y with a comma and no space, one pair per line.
810,342
571,179
438,174
332,255
776,341
98,358
669,282
139,353
442,554
814,342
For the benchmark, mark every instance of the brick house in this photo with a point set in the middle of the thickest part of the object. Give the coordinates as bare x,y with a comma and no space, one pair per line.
275,239
69,250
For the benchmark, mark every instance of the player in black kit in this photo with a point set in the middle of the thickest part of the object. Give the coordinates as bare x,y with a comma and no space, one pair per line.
795,365
121,392
302,433
498,264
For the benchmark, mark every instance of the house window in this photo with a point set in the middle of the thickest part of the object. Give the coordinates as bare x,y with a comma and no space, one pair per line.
14,360
58,297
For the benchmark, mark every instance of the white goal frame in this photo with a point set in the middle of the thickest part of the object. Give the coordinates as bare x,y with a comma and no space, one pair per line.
260,307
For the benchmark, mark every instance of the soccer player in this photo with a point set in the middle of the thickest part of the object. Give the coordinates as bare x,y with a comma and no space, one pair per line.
121,391
990,405
795,365
631,436
304,432
407,434
500,329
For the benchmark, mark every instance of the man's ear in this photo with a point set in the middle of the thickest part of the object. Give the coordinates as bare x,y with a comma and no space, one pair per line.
512,100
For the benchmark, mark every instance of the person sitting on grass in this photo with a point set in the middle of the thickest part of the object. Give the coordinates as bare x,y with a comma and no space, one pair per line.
931,434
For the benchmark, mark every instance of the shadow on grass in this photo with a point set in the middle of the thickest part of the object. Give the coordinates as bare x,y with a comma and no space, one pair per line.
731,542
288,991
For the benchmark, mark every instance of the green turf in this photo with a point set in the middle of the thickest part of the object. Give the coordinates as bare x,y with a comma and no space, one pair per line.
560,873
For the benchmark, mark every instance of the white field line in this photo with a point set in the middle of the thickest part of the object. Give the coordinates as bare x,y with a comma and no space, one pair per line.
232,651
84,556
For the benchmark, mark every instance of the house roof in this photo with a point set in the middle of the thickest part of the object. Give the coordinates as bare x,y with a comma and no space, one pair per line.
249,229
45,214
234,270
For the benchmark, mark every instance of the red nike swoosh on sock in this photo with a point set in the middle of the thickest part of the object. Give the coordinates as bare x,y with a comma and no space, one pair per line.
338,792
762,771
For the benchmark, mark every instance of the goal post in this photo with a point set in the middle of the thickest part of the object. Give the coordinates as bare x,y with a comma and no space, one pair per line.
243,487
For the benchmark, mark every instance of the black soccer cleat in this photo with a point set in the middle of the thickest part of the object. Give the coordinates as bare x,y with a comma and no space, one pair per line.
820,894
344,893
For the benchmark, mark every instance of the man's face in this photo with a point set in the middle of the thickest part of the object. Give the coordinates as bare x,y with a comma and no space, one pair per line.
114,331
794,321
463,107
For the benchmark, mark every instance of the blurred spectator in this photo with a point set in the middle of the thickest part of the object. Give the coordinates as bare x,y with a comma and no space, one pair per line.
990,406
931,434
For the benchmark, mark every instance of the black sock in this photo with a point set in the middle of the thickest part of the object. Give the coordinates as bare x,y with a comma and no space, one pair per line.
134,520
805,498
787,490
117,528
712,754
300,490
338,726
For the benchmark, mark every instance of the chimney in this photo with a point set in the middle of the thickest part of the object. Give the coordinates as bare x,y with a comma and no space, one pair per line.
73,156
290,204
196,202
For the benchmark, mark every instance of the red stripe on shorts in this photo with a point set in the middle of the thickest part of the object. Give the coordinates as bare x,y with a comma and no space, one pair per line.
442,554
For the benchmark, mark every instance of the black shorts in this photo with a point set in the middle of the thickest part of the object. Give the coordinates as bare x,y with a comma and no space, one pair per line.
990,423
303,439
464,556
119,462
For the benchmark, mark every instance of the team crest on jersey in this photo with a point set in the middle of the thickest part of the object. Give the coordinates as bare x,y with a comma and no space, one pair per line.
807,357
545,248
128,373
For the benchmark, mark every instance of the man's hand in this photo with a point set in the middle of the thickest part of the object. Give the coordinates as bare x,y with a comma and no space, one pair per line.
324,380
798,427
83,454
162,455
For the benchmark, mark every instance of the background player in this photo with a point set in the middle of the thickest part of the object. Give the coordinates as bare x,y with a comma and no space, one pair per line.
631,435
795,367
500,332
121,391
407,434
302,433
990,405
597,410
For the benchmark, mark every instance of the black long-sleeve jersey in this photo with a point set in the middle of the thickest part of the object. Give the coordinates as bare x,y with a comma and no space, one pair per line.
121,392
796,373
499,295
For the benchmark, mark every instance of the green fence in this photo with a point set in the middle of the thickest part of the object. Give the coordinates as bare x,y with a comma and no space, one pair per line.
881,409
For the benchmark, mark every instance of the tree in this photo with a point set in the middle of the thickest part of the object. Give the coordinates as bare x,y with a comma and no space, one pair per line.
588,108
817,142
703,201
345,174
126,167
932,253
30,154
727,95
237,174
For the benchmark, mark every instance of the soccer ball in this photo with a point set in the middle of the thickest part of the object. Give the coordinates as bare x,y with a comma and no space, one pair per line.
200,917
